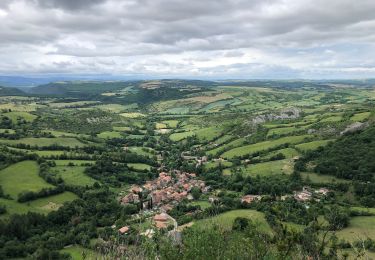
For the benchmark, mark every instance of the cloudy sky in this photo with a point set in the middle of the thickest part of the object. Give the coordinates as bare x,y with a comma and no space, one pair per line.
195,38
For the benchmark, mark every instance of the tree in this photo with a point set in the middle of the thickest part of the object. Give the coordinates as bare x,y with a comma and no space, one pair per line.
240,224
196,193
337,217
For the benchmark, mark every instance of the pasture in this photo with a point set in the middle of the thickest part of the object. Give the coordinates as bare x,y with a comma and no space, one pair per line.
312,145
22,176
44,142
261,146
268,168
180,136
14,116
359,228
225,220
139,166
73,175
109,135
360,117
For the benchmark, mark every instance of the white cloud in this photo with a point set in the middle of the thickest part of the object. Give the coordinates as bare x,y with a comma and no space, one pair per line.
177,38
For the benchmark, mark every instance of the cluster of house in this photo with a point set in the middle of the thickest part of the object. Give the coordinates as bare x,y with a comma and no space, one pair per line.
199,160
166,190
308,194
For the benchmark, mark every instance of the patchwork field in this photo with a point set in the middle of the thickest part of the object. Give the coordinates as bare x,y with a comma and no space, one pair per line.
22,176
252,148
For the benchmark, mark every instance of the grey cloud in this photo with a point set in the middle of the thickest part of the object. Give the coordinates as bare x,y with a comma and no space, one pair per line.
118,35
68,4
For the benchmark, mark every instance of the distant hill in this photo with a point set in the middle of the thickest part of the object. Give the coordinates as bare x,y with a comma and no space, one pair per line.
131,91
6,91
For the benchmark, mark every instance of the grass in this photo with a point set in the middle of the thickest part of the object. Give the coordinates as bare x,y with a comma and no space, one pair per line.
132,115
261,146
360,117
286,130
312,145
51,203
109,134
77,252
225,220
122,128
287,152
139,166
359,228
209,133
234,143
223,139
22,176
331,119
171,123
204,204
24,115
180,136
144,151
215,164
269,168
74,175
160,125
114,108
32,141
9,131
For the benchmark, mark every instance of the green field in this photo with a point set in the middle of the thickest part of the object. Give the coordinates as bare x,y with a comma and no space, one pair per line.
171,123
109,134
225,220
144,151
312,145
208,134
74,175
320,178
286,130
252,148
22,176
204,204
139,166
180,136
359,228
232,144
360,117
287,152
51,203
80,253
68,142
24,115
215,164
268,168
331,119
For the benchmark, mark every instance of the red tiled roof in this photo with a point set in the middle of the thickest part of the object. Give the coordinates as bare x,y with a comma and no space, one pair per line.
123,230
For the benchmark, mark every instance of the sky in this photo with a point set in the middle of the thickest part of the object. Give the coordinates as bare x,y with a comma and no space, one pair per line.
222,39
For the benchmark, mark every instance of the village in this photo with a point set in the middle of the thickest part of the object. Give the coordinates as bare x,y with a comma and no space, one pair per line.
155,198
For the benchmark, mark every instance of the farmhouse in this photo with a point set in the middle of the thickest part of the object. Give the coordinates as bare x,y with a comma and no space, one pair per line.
124,230
161,220
247,199
304,195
